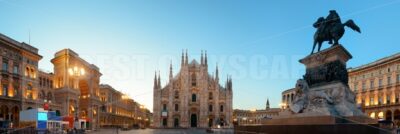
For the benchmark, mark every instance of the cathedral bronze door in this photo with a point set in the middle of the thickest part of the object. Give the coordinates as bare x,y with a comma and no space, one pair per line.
164,122
210,122
176,122
193,120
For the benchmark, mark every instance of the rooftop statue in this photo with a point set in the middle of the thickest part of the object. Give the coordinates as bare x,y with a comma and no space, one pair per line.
331,29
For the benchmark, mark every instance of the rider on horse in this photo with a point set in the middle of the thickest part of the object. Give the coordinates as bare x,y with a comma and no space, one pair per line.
331,29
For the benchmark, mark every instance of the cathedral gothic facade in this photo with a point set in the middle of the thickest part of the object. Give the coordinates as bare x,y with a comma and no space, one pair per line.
192,98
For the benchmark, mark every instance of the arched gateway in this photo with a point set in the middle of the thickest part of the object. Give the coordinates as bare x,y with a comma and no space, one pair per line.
77,87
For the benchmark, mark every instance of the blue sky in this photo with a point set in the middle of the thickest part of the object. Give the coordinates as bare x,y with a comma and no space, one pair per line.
257,42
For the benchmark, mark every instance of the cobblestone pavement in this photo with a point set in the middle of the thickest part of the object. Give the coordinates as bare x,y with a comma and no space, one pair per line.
162,131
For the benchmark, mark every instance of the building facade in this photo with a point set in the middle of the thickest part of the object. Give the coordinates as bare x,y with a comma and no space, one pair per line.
119,110
19,83
287,98
255,116
76,85
192,98
72,91
377,86
46,92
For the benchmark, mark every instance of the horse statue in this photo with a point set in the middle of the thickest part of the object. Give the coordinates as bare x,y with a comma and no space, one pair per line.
331,29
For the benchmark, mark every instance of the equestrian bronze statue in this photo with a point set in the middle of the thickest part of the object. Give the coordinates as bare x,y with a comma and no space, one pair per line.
331,29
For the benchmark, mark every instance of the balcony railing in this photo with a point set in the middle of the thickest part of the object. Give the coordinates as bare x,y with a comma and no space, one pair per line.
372,88
381,104
8,97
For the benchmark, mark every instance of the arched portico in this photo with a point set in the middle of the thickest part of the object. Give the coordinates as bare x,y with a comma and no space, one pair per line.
388,115
77,83
4,113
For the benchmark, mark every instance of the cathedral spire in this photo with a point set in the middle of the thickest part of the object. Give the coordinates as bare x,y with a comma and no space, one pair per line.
230,86
201,59
229,82
267,106
159,80
170,71
216,73
183,58
155,81
186,58
205,58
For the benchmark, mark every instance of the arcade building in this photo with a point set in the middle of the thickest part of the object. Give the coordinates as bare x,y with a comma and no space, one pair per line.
72,90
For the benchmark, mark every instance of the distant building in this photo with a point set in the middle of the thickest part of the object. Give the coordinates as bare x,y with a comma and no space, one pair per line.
377,86
192,98
118,109
254,117
287,98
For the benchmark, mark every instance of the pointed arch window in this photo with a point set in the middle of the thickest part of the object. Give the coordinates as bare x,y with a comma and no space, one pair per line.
194,97
164,107
176,107
194,80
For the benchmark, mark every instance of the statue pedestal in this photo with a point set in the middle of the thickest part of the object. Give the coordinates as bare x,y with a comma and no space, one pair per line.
323,101
326,66
318,120
334,53
324,89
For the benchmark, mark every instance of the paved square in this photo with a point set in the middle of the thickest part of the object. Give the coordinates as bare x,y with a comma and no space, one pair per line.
162,131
